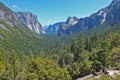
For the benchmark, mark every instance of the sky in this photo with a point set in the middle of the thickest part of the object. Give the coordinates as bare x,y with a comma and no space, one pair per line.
52,11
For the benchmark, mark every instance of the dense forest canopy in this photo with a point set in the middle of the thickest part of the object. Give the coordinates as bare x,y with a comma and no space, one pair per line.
28,59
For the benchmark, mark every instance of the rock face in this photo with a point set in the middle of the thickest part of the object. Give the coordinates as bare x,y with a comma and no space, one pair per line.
53,29
11,25
4,27
72,21
31,21
57,27
20,18
109,15
9,16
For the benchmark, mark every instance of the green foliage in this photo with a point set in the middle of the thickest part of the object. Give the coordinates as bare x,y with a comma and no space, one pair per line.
27,56
103,77
2,70
116,40
100,60
78,47
117,78
115,58
44,69
107,77
82,66
31,76
94,53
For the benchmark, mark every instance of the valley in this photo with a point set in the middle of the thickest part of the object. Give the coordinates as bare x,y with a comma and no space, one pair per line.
70,50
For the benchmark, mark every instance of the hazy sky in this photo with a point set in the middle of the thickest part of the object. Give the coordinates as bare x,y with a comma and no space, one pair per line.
51,11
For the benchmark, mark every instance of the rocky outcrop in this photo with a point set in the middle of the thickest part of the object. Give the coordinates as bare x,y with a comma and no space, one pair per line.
4,27
72,21
31,21
58,27
9,16
10,24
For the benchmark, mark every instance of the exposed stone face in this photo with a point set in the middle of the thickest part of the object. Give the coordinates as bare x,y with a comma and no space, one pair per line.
31,21
4,27
11,19
57,27
10,22
72,21
109,15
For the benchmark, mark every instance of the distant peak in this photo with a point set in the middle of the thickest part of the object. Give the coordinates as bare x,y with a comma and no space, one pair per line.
114,2
1,3
75,18
25,12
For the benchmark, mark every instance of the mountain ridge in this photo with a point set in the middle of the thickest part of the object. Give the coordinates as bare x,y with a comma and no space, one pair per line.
108,15
10,24
53,29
